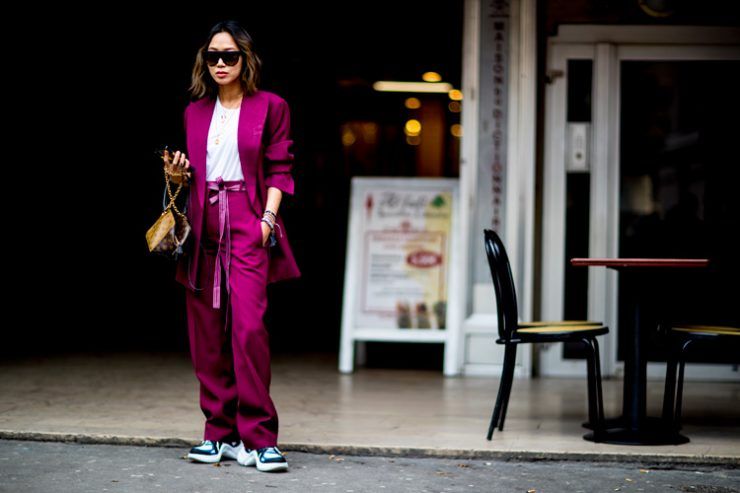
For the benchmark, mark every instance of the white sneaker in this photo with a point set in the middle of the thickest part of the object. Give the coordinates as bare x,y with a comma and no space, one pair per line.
246,457
211,451
267,459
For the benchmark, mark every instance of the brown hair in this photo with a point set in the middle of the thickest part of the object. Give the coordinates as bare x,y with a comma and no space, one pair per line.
202,84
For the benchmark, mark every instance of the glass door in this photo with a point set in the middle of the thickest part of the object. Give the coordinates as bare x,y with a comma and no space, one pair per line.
641,160
679,167
567,183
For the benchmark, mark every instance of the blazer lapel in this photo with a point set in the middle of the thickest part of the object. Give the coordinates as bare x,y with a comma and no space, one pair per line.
198,145
252,117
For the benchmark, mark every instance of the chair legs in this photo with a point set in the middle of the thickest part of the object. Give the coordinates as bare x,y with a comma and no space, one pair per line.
679,389
669,392
511,364
504,390
673,392
595,395
591,383
599,393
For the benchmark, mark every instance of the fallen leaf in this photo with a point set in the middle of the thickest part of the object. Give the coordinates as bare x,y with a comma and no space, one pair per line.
463,465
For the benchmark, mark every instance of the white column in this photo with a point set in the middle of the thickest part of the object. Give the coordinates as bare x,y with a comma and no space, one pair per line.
480,354
520,184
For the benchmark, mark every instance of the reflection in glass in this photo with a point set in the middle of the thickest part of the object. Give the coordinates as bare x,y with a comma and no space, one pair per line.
680,165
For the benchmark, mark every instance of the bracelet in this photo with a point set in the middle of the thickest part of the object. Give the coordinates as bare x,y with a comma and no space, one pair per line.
270,221
267,221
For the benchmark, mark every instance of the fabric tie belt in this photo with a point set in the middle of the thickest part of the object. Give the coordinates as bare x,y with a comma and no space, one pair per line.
224,227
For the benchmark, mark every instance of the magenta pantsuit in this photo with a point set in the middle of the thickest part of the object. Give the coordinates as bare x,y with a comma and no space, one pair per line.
226,300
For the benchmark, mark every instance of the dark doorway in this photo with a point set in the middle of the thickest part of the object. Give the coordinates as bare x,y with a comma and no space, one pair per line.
679,167
116,90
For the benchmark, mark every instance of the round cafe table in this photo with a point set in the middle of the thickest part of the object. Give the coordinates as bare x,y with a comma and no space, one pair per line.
634,427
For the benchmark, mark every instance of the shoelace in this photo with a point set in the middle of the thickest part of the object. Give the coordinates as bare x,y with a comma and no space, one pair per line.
274,451
207,444
217,445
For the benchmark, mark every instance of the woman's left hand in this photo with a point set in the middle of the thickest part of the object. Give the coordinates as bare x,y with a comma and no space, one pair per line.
177,166
265,232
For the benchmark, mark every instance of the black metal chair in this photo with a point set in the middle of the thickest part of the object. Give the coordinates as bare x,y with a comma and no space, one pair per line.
511,333
680,337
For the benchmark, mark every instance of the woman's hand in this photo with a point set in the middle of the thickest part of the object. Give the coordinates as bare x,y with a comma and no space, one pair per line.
178,167
265,232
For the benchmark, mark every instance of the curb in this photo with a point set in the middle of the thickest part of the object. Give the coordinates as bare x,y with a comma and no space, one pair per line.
665,460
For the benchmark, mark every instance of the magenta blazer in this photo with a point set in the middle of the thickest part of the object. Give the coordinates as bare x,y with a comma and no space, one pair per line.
265,153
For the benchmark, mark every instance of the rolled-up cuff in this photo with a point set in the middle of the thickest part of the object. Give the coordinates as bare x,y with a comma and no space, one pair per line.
283,181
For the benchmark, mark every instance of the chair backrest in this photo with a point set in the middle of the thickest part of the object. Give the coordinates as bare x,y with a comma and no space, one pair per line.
503,284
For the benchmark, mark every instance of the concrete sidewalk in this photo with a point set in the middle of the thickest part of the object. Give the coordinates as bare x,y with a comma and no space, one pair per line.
152,399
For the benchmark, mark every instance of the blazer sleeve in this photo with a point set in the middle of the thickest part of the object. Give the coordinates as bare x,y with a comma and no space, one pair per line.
185,113
278,158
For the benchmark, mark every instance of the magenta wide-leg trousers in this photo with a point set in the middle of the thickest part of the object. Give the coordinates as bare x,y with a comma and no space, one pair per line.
229,344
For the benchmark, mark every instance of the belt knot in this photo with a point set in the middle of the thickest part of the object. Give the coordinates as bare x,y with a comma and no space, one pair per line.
224,228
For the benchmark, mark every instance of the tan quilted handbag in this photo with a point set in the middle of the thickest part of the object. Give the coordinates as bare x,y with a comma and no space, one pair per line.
169,234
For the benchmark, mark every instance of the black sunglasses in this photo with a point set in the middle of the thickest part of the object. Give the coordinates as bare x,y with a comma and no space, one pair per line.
230,58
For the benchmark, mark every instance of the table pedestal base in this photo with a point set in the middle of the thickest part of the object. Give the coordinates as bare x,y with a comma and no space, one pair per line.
652,432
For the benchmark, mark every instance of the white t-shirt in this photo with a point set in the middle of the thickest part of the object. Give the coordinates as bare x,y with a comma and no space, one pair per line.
222,157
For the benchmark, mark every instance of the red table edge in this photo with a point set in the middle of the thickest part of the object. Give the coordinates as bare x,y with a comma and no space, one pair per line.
640,262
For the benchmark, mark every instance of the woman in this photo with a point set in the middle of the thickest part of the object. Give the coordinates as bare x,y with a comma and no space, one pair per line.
239,164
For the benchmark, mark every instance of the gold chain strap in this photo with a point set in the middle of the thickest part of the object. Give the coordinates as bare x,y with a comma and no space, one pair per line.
171,195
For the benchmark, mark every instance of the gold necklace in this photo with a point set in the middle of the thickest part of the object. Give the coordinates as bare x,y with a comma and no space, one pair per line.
224,121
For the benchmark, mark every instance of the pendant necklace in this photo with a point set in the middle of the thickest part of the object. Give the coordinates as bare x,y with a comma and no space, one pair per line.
224,118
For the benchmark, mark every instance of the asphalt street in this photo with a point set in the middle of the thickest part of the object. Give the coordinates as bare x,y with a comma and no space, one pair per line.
53,467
